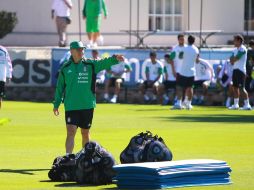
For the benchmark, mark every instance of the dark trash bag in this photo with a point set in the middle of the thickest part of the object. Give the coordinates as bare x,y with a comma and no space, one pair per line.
145,147
94,165
63,168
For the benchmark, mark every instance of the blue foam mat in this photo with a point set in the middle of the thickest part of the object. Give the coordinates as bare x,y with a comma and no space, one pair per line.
156,175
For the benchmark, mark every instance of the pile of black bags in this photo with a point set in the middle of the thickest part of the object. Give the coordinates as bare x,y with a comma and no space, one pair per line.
92,165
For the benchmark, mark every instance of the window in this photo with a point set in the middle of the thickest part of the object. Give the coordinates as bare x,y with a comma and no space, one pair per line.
249,15
165,15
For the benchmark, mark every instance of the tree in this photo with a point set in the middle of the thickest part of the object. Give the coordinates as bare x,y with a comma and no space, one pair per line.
8,21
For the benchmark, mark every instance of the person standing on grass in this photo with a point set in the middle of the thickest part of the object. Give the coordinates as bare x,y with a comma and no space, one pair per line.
187,74
238,60
76,87
176,57
5,71
92,13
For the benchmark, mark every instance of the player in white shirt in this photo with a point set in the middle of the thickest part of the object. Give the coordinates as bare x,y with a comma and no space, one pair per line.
153,72
187,73
238,60
61,11
5,71
176,56
169,82
203,78
177,53
225,80
100,77
117,76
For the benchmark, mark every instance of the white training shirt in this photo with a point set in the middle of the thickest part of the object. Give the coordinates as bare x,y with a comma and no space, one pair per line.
154,70
227,69
168,69
120,68
101,74
190,54
178,60
241,63
204,70
5,64
60,8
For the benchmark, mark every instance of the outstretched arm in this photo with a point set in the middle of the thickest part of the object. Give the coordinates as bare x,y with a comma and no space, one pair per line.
105,64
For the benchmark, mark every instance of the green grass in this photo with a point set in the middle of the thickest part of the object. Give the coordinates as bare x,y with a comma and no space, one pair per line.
34,137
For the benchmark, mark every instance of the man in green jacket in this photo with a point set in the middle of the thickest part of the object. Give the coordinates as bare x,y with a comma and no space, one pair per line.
76,85
92,13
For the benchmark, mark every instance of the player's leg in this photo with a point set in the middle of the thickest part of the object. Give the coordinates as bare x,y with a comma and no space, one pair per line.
62,31
117,84
89,30
106,92
155,89
143,88
244,93
85,136
230,95
97,29
2,89
205,86
163,98
236,92
85,123
58,27
69,143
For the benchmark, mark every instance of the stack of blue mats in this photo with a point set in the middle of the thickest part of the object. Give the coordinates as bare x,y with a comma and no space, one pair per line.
184,173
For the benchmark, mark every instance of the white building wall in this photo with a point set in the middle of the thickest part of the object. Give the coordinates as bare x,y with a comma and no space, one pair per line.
36,28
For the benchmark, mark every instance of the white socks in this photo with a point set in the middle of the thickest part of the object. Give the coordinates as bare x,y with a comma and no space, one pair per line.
106,96
246,102
236,101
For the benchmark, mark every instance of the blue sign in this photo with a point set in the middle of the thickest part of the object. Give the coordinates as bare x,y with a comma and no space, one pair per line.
136,58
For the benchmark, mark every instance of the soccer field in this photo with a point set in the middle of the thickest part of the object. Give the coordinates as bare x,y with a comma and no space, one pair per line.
34,137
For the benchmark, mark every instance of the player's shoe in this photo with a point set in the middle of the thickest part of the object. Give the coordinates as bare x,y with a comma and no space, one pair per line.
177,107
113,100
227,104
246,107
146,99
189,107
234,107
100,40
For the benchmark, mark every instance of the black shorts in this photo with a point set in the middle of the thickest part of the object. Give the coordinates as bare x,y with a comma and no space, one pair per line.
185,82
238,78
150,84
169,84
113,81
199,83
80,118
2,89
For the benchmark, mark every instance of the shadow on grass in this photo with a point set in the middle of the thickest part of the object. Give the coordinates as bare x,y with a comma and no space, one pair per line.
22,171
74,184
211,118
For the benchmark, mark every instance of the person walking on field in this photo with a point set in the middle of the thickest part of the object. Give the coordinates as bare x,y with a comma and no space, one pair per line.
76,86
92,13
5,71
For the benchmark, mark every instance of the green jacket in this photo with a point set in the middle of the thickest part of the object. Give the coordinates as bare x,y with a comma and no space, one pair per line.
76,83
94,8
